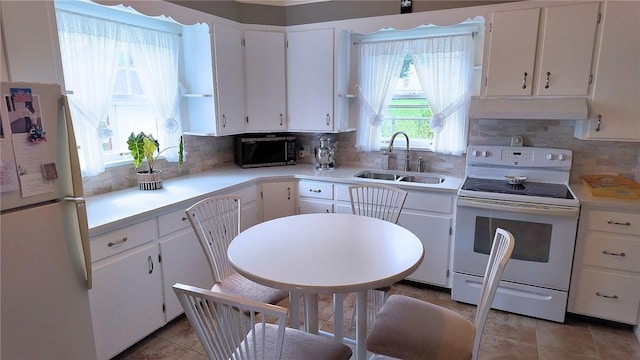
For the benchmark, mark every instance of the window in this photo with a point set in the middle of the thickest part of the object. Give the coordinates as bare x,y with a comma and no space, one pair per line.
110,70
408,110
416,81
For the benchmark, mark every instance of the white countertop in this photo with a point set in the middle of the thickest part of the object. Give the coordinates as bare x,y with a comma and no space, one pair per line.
585,197
112,210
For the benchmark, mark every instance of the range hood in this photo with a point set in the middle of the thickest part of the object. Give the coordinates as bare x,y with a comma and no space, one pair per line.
528,108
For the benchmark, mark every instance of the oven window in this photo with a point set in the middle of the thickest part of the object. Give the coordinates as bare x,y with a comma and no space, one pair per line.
533,240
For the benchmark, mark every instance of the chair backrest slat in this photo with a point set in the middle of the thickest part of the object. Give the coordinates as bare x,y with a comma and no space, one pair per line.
235,328
216,221
500,254
379,201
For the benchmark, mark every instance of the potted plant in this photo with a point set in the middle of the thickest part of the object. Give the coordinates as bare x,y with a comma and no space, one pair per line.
145,147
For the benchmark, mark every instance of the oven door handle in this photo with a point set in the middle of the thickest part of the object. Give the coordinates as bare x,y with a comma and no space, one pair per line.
537,209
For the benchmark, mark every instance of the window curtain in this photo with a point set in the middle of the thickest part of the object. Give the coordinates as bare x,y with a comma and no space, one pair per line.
444,66
159,52
88,47
380,66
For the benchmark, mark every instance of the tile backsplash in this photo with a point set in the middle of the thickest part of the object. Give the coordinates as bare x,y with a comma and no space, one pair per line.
589,156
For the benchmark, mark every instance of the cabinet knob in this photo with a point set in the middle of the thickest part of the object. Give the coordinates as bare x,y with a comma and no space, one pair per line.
546,83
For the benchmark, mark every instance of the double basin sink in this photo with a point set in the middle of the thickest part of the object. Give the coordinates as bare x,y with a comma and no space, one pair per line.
400,177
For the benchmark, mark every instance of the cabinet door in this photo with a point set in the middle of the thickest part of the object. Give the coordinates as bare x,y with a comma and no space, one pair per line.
512,52
229,73
615,106
183,261
433,231
310,80
265,70
568,35
277,200
126,299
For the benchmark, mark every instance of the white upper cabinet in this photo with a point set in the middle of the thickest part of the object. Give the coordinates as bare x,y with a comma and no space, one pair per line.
310,90
266,88
229,79
615,105
541,52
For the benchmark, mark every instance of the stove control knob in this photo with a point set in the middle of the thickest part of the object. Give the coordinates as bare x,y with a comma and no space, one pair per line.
485,153
550,156
475,153
561,157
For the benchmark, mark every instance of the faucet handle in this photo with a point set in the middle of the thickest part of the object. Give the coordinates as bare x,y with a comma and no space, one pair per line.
420,167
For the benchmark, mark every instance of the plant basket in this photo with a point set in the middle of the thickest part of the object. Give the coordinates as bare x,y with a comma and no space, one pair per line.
150,181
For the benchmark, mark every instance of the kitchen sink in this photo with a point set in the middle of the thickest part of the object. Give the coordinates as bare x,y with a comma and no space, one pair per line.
400,177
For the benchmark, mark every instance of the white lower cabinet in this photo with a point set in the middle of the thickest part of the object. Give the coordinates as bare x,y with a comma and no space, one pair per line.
315,197
606,272
429,215
250,214
126,298
278,199
181,258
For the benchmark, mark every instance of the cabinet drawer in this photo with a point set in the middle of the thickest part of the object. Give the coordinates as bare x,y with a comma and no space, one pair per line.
611,251
315,189
172,222
247,195
612,221
315,206
424,201
342,193
120,240
608,296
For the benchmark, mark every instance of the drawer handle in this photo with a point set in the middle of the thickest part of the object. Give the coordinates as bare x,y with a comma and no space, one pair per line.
611,222
606,252
614,297
315,190
110,244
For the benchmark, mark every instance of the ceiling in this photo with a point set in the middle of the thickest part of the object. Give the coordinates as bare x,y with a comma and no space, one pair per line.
280,2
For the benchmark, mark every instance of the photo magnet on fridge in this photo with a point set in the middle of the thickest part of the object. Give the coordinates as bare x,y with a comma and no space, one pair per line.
405,6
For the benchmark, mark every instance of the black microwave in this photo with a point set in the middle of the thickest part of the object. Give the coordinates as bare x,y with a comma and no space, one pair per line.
265,150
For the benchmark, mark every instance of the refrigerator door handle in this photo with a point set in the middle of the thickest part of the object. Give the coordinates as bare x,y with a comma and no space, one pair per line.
83,225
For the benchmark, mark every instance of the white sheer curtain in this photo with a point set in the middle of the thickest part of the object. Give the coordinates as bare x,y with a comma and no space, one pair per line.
89,56
380,66
444,66
159,52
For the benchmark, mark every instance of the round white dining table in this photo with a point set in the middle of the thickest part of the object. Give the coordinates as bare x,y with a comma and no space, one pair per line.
327,253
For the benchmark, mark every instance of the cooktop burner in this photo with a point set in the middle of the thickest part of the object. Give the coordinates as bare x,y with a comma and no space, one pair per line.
558,191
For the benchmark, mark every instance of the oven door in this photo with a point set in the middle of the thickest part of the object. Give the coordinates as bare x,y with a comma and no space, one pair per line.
544,240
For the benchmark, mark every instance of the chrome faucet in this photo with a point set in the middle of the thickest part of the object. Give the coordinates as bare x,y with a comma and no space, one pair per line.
407,157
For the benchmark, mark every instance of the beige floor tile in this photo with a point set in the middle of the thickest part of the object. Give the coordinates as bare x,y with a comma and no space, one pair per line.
616,343
565,339
154,348
506,325
498,348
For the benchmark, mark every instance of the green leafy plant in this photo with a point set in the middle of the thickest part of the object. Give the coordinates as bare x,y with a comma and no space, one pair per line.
144,146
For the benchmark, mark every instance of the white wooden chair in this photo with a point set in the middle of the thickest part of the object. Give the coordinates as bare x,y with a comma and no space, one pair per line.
409,328
216,221
230,327
382,202
378,201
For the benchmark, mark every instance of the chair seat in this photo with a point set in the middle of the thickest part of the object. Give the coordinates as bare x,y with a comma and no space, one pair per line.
409,329
301,345
238,285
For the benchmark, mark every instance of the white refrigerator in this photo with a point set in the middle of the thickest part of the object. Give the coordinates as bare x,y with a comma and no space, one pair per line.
45,267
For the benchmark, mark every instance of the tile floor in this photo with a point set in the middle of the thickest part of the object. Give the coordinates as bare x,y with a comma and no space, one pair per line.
506,336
